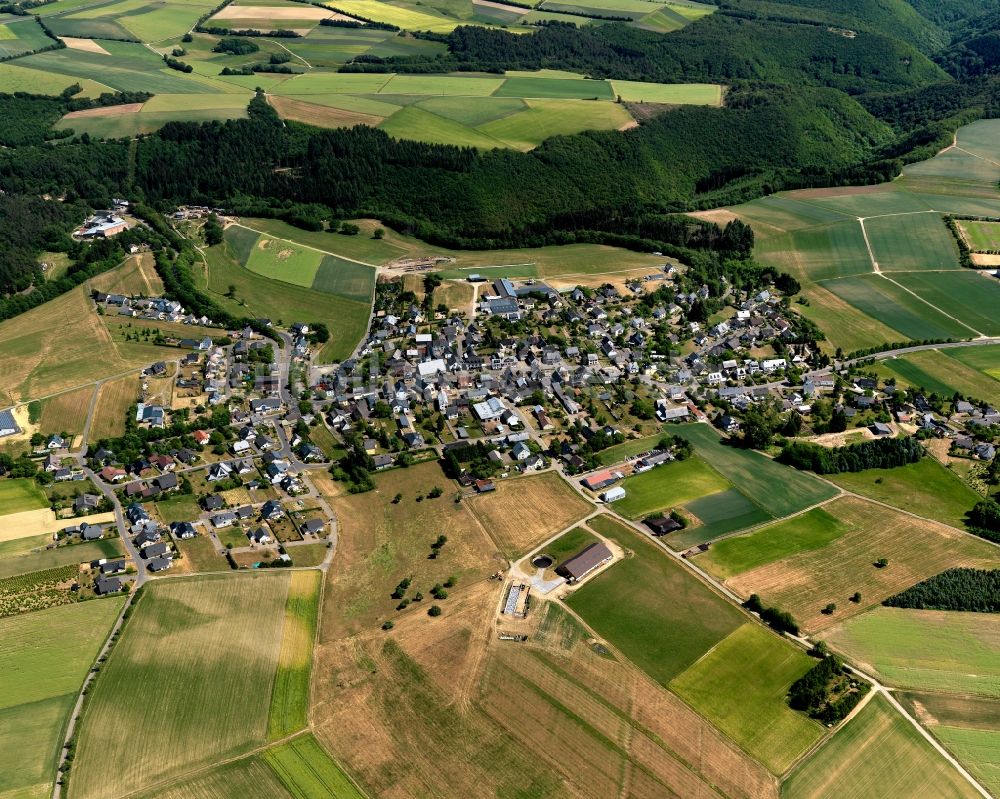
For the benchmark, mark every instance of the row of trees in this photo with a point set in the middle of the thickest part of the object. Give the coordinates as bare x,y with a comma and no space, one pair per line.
976,590
879,453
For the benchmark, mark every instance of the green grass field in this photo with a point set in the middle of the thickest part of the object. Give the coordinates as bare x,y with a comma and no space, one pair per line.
892,305
811,530
980,236
259,296
740,686
977,750
61,556
20,495
284,261
189,683
669,485
308,772
877,755
670,93
569,544
20,37
625,605
926,649
290,700
44,657
966,295
925,488
778,489
985,359
719,514
914,241
933,371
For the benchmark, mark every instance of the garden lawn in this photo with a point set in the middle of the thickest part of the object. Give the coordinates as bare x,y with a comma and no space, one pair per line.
625,604
669,485
926,649
811,530
44,657
877,755
210,648
925,488
778,489
741,685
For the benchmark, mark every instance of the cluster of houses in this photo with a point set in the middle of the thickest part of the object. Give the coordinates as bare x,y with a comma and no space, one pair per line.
151,309
148,538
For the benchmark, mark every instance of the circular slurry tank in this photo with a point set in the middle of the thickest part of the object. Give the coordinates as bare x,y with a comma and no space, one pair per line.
541,561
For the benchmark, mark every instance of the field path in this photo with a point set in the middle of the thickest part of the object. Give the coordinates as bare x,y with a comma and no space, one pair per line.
293,55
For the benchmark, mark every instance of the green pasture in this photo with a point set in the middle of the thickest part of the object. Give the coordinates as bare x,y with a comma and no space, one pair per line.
556,88
335,83
242,242
878,755
13,78
285,261
884,201
415,123
925,649
189,683
26,562
345,278
20,495
985,359
981,236
663,20
669,485
779,490
308,772
809,531
569,544
670,93
912,241
925,488
977,750
473,111
357,248
626,605
22,37
719,514
783,212
628,449
944,372
44,657
442,85
260,296
544,119
844,325
957,166
969,296
980,138
741,685
822,252
889,303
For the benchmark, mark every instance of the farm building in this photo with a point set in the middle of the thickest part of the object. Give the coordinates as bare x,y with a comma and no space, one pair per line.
601,480
661,525
8,426
584,562
613,494
102,226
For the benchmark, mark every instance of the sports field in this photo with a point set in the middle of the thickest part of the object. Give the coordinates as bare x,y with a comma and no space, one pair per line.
44,657
524,511
625,605
21,495
290,700
926,649
804,582
741,685
777,489
878,755
809,531
189,683
925,488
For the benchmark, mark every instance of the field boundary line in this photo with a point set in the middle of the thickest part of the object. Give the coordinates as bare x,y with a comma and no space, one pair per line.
978,333
976,155
294,55
814,204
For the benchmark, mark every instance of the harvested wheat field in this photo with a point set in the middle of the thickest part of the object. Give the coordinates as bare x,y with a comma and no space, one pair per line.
35,522
804,583
114,399
66,413
136,276
87,45
322,116
524,511
106,111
